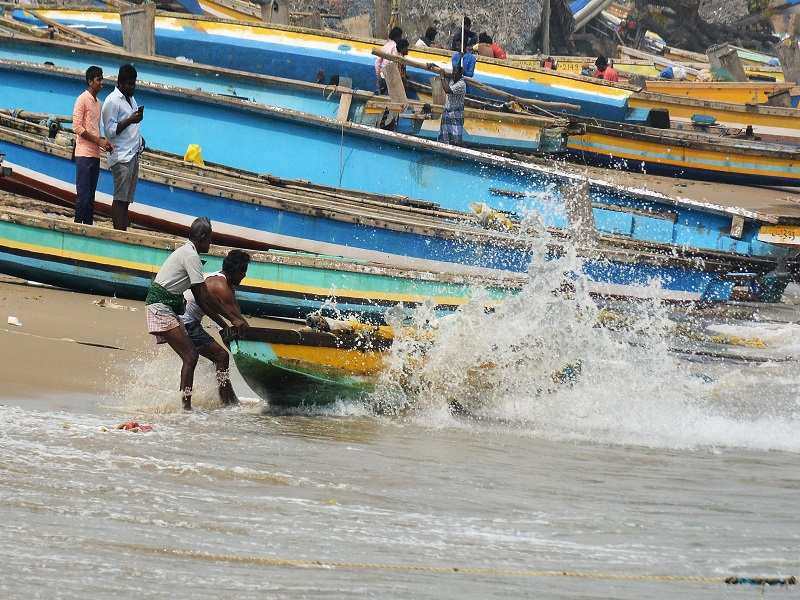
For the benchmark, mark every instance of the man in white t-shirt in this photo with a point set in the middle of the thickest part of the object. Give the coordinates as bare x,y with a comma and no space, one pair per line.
222,286
181,271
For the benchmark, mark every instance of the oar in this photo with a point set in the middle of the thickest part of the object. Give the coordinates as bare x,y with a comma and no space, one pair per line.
482,86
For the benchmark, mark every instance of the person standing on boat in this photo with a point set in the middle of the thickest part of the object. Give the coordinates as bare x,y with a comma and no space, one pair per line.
390,47
605,70
470,37
121,119
181,271
451,130
88,143
222,287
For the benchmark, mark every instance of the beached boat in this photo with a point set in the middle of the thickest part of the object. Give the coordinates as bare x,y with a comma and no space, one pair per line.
292,365
694,63
303,53
716,156
105,261
527,133
253,211
346,155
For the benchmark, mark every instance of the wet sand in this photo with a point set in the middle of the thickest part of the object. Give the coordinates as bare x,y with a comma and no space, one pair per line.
73,345
67,342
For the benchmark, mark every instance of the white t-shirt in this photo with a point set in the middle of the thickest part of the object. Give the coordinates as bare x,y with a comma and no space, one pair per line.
181,270
420,43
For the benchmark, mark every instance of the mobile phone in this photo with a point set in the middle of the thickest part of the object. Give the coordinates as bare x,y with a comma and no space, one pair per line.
140,108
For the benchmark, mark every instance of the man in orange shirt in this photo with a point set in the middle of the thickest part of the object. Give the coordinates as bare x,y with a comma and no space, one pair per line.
86,125
604,70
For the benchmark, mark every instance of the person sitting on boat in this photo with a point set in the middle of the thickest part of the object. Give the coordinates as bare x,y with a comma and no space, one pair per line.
88,143
121,118
470,37
165,302
390,47
486,47
451,130
222,287
605,70
427,40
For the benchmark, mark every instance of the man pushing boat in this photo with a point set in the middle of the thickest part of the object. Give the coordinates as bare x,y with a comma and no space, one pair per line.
183,271
222,287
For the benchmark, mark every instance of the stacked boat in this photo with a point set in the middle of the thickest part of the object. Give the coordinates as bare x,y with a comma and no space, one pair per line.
348,216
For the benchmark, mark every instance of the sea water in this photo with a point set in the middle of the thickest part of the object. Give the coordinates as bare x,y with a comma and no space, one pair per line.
586,459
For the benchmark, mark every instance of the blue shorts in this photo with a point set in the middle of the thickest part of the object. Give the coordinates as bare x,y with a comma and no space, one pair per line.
198,335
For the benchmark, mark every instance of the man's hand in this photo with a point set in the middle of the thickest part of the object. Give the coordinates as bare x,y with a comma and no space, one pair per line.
136,117
240,325
105,145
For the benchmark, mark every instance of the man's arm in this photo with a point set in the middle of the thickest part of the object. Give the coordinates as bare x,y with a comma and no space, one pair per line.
135,117
209,304
218,287
79,126
111,125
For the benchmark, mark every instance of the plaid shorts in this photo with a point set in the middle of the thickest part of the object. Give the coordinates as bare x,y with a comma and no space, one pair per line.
161,318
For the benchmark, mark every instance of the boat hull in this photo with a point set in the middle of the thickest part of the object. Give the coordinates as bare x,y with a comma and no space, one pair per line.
97,260
286,369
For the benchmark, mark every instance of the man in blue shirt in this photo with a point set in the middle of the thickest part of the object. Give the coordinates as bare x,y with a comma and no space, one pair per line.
121,117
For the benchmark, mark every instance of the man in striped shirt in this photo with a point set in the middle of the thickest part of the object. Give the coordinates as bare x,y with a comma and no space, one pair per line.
88,143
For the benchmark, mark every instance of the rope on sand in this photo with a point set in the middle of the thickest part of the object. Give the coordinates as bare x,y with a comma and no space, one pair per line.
268,561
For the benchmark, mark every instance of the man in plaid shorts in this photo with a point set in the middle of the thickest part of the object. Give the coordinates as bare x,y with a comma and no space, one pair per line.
181,271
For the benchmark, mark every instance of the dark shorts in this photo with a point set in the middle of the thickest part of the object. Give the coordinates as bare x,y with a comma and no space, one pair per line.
198,335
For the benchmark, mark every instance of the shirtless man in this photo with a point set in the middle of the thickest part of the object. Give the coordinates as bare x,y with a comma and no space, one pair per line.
222,287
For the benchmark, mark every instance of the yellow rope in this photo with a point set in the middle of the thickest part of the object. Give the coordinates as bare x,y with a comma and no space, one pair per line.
409,568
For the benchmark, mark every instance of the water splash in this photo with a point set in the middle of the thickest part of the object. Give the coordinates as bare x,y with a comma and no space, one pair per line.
550,362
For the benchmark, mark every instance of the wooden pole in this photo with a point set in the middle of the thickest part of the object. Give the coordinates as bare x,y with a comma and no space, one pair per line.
546,27
138,29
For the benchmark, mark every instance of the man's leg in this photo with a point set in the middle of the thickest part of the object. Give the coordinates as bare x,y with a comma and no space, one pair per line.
219,356
94,175
179,341
83,187
122,192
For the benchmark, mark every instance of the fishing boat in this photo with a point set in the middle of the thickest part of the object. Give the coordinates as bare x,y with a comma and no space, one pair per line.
710,153
104,261
293,365
529,133
303,53
717,154
347,155
694,63
259,212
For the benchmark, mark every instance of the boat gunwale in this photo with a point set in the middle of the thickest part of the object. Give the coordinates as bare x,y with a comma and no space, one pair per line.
315,339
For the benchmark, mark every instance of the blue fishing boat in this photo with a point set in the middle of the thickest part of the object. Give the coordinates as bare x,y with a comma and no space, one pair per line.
305,54
244,135
680,153
264,212
519,133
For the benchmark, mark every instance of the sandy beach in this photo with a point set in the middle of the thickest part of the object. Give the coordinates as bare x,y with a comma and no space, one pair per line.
72,349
